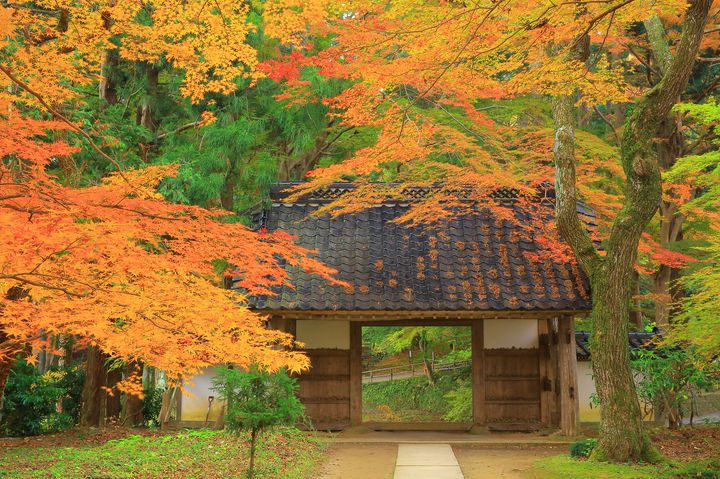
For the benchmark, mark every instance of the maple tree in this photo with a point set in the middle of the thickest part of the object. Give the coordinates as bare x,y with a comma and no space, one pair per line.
698,321
410,60
112,263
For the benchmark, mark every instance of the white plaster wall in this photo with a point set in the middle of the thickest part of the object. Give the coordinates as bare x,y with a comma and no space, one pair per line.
326,334
511,333
195,398
586,388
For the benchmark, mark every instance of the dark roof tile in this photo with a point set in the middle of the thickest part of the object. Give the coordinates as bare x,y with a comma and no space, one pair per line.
475,263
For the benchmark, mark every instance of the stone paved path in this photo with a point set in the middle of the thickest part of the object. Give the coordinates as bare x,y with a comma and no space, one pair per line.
426,461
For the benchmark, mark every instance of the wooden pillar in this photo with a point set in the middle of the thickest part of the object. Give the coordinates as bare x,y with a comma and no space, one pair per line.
567,371
355,373
547,394
552,372
478,371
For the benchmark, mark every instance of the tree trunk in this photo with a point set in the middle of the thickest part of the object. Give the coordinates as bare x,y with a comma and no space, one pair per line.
253,445
9,348
227,193
132,405
145,113
91,413
169,399
107,88
622,435
113,402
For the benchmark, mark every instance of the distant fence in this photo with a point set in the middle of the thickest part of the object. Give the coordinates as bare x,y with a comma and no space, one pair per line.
410,370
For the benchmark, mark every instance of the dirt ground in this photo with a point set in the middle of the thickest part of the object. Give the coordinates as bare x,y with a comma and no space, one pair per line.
377,461
688,444
359,461
78,436
507,463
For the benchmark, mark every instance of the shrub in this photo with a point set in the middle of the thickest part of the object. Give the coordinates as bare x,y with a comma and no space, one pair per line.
151,405
37,403
583,448
671,378
257,400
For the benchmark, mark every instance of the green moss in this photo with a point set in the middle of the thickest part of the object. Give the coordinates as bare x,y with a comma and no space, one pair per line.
563,467
191,454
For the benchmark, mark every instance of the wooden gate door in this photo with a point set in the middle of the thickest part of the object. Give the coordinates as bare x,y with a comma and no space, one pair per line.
512,386
325,388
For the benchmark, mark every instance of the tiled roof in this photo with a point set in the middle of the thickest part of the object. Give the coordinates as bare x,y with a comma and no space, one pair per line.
635,340
474,263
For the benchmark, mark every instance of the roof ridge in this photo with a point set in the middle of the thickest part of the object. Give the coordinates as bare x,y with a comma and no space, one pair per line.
334,191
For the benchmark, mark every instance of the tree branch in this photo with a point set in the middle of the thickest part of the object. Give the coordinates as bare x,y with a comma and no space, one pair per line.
64,119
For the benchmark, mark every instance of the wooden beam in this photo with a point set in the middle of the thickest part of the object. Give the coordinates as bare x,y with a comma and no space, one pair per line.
478,371
355,374
552,372
567,370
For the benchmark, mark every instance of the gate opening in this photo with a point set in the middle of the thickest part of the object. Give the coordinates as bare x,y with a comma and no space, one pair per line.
416,374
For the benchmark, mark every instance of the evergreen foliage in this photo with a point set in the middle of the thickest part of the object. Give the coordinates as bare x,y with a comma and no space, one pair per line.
257,400
36,403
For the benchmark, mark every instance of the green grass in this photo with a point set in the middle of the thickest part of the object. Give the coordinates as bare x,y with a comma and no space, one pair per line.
200,454
564,467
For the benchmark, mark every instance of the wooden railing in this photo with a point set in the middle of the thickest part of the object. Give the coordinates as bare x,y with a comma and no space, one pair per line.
411,370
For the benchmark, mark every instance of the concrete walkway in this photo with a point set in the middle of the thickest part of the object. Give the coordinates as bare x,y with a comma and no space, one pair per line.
426,461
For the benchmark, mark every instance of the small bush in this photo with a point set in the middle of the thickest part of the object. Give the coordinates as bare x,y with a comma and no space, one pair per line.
583,448
151,405
257,400
37,403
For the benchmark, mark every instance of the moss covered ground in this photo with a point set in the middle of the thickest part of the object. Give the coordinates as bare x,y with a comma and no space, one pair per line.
198,454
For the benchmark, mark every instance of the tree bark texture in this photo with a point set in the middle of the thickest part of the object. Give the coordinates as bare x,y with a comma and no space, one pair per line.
91,412
670,147
113,402
132,414
145,111
622,435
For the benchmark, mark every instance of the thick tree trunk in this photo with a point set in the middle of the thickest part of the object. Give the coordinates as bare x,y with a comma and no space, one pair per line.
622,436
132,405
113,402
107,88
91,412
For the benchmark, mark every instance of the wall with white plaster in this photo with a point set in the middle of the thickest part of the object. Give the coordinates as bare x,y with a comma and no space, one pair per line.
323,334
510,333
